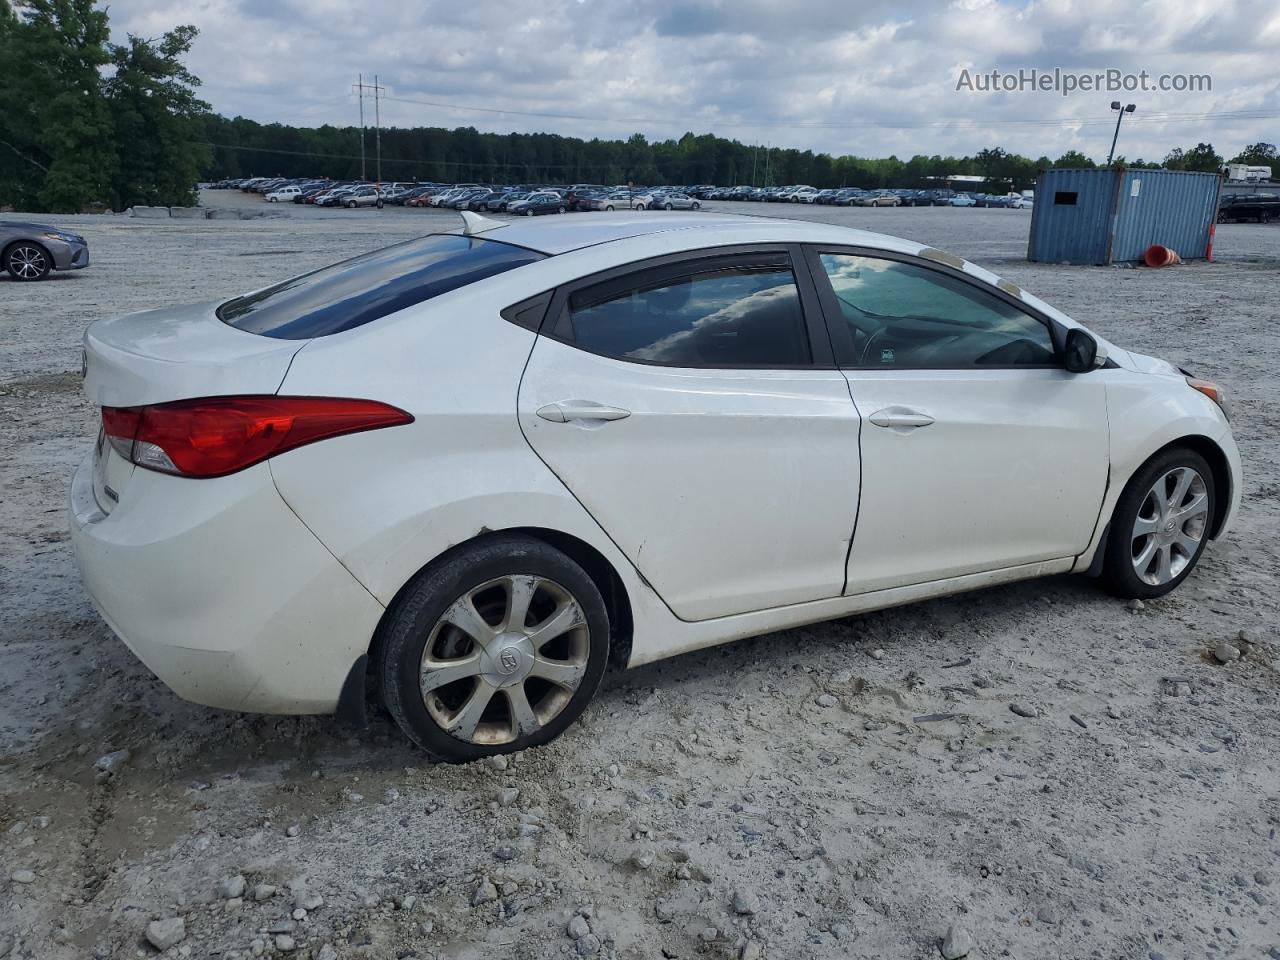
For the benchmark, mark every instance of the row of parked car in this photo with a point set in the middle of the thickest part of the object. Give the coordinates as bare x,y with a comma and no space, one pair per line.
531,200
858,197
526,200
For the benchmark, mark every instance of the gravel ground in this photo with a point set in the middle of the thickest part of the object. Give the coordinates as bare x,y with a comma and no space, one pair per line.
850,789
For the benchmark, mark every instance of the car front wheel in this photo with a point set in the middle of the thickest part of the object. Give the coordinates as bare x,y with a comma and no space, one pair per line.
27,261
1160,525
497,648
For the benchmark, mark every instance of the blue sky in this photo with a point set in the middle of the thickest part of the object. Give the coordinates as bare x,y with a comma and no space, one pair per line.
872,78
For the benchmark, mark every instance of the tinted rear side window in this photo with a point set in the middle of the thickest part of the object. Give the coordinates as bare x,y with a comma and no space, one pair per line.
363,289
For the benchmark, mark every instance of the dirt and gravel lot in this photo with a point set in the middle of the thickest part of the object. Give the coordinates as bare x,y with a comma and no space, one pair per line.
711,806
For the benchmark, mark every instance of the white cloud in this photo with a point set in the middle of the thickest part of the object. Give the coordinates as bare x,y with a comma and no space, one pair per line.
757,70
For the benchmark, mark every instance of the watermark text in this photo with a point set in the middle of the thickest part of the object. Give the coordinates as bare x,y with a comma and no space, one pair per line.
1067,82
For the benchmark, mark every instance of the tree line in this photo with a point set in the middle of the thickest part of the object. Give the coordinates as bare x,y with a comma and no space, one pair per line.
86,121
244,148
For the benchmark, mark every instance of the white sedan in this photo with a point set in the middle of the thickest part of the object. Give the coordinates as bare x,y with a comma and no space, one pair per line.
475,468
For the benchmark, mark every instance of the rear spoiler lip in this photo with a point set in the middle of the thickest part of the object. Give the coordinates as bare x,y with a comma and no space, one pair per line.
125,364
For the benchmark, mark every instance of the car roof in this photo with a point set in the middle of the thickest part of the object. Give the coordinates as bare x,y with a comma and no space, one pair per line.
686,231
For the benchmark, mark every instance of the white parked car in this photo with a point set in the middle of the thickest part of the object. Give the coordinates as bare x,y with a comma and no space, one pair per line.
802,195
667,201
284,194
1022,203
476,467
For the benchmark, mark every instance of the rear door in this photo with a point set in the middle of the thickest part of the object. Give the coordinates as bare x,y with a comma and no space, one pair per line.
691,404
979,450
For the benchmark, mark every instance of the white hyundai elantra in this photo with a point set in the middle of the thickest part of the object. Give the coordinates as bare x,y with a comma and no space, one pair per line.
468,470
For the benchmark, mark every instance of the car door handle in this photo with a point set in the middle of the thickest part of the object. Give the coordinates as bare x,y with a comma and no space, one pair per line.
900,417
562,411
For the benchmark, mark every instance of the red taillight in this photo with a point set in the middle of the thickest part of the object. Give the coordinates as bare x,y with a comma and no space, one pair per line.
214,436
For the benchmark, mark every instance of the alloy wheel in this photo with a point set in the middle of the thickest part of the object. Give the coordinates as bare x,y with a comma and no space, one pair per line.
504,659
28,262
1170,526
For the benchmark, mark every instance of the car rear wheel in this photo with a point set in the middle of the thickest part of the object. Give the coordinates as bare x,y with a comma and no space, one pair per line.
696,206
666,206
498,648
1264,216
27,261
609,207
560,210
1160,525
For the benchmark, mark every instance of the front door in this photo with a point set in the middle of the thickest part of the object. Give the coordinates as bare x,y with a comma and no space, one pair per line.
979,451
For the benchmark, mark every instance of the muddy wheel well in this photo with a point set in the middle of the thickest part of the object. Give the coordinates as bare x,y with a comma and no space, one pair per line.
599,569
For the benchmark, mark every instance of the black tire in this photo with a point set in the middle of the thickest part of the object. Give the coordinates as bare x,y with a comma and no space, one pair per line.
696,205
560,210
26,261
1222,216
378,204
1118,573
666,206
609,207
1264,216
527,211
424,601
351,204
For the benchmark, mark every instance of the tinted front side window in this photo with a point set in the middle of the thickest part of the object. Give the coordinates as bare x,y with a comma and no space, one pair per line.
902,315
706,316
357,291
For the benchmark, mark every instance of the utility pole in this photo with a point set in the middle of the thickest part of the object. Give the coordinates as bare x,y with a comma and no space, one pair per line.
377,128
361,87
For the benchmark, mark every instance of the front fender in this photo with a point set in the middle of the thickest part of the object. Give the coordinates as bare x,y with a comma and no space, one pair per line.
1148,413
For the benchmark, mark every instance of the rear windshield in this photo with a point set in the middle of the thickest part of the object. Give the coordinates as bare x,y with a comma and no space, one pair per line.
357,291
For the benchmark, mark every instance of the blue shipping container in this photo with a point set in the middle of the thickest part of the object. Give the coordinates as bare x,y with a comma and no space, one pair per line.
1105,215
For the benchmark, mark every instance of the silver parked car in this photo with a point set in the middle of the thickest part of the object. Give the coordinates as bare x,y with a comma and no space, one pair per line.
667,201
29,251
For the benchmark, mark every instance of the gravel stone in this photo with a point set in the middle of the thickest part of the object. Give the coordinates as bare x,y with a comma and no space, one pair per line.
231,887
827,700
1023,710
163,934
23,876
485,892
578,927
110,763
745,903
957,943
1226,653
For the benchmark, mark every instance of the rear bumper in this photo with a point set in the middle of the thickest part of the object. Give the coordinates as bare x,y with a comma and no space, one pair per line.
221,591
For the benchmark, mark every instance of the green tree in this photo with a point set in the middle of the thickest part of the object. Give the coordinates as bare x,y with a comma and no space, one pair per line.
55,120
1200,157
1257,154
157,121
1074,158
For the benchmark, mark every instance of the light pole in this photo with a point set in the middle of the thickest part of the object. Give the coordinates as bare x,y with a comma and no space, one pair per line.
1128,108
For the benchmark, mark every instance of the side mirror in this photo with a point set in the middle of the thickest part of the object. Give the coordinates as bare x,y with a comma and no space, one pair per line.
1081,352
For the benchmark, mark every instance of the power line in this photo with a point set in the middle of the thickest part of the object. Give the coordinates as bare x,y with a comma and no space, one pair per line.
1259,114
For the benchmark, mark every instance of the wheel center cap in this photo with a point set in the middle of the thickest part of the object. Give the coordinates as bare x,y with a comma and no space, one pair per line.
508,660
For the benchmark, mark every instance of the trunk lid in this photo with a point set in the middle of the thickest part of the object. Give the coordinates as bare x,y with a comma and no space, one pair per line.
177,353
